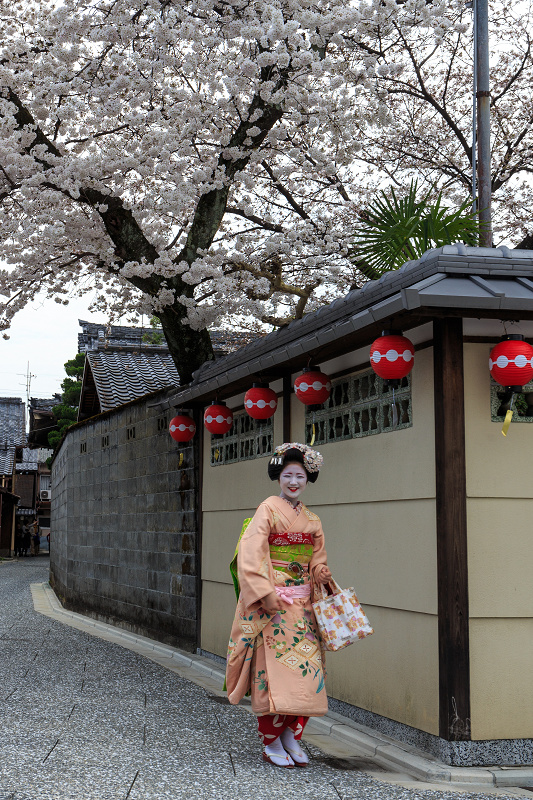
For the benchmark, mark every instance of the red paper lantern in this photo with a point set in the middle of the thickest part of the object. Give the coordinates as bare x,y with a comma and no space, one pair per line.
218,418
260,402
182,428
511,362
391,356
312,387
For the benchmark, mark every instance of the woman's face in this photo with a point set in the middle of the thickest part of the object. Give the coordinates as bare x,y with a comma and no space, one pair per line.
292,481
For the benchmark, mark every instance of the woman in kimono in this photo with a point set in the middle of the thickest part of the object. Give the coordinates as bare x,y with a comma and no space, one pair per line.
274,651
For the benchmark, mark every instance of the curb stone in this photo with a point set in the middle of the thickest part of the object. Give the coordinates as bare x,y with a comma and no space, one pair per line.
385,752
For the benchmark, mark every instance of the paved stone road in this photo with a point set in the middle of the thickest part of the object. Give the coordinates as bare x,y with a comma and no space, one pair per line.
82,718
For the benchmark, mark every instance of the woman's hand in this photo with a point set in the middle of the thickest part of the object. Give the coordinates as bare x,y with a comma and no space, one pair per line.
272,603
324,576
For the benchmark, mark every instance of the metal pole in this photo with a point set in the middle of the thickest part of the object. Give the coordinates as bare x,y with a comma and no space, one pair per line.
474,114
483,126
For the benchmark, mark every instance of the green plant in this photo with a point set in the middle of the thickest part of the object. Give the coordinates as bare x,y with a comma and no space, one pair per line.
393,230
155,336
66,413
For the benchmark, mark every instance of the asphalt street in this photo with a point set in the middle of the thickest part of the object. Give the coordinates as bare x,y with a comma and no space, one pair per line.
84,718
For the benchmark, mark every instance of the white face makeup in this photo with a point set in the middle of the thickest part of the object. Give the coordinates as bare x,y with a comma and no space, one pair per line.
292,481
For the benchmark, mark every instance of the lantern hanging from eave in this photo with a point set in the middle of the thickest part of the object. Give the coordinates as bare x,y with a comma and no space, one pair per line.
260,402
392,357
218,418
511,365
182,428
511,362
313,387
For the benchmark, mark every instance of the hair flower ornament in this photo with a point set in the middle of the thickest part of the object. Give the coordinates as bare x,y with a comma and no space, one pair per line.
312,459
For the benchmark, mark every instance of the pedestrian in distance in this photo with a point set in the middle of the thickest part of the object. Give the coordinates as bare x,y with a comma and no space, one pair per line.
275,652
18,541
26,539
35,537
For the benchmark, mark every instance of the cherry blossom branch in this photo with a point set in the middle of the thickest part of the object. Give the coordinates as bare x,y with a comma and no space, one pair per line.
268,226
286,194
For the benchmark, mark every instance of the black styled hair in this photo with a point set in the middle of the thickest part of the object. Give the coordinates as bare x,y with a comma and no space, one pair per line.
276,464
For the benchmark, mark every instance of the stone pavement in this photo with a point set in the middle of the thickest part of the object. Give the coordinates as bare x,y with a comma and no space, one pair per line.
82,717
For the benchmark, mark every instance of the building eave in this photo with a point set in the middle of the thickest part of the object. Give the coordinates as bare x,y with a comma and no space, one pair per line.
451,281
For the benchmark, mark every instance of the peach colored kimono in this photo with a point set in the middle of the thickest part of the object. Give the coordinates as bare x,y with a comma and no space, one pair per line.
279,658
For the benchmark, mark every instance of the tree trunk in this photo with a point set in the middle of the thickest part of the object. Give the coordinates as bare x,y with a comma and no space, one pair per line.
188,348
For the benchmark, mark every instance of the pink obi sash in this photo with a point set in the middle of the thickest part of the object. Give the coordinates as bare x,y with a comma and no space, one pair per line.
288,593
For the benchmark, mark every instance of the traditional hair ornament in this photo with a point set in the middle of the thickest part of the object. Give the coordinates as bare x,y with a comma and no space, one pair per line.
312,459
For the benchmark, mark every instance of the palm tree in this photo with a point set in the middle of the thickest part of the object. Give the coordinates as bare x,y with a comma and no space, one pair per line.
394,230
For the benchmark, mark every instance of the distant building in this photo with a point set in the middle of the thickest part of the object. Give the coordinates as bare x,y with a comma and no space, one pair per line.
24,477
12,440
42,420
33,487
12,434
96,336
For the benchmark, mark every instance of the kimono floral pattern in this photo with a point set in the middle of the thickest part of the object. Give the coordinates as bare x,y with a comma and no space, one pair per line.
278,658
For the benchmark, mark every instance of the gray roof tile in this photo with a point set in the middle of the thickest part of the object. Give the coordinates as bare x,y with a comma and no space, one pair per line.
6,461
12,422
124,376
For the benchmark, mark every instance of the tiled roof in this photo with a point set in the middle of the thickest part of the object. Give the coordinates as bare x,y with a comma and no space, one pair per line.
6,461
31,458
12,422
98,337
44,404
120,377
455,278
12,431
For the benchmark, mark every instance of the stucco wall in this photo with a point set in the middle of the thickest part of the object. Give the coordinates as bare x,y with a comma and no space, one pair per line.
124,525
500,561
375,497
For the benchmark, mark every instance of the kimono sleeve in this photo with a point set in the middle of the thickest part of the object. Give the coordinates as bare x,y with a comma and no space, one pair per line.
253,560
319,558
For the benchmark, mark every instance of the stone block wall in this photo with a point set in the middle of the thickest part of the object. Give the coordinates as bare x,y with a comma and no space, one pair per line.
124,522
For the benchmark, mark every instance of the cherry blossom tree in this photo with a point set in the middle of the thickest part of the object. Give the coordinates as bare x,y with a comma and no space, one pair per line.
204,160
426,83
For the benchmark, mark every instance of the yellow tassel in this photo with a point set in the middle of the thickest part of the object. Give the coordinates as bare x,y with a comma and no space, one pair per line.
507,422
313,436
181,460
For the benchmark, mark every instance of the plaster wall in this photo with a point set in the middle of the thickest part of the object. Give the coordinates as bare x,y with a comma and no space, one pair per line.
375,498
500,561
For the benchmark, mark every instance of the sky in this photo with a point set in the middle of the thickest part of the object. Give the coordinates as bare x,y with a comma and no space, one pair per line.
45,335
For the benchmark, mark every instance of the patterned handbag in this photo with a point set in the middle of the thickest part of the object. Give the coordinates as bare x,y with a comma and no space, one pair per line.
340,618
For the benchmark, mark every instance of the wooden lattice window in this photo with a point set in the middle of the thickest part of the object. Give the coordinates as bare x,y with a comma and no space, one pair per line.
500,399
248,438
360,405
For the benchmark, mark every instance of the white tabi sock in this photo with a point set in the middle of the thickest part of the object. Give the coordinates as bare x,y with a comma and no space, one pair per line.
277,753
293,747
